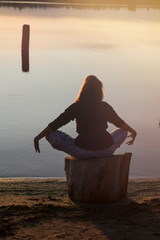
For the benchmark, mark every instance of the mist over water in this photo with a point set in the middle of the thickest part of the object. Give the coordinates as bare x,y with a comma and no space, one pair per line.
119,46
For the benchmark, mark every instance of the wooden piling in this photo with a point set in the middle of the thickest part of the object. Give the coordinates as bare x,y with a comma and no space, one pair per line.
25,47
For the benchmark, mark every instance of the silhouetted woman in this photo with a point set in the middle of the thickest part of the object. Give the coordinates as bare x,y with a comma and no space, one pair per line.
91,115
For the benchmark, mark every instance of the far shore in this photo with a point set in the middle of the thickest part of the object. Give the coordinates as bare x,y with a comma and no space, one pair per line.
39,208
120,3
117,2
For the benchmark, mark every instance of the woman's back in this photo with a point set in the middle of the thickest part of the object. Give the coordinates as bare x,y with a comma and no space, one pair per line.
92,124
91,115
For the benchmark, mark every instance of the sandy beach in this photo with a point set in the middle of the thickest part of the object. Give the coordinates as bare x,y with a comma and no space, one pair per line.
36,209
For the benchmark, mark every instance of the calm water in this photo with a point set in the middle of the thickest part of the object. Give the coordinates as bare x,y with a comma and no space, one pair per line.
120,46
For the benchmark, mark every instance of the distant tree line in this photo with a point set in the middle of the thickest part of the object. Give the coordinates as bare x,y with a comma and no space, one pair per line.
80,4
116,2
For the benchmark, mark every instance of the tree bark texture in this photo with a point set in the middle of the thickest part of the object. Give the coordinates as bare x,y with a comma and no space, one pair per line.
102,180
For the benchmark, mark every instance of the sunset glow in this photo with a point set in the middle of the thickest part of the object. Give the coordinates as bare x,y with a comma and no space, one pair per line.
119,46
66,32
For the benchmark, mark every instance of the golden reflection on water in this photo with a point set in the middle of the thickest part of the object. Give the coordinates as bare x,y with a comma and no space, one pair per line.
119,46
70,31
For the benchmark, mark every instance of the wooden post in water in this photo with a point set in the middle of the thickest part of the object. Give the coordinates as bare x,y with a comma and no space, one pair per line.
25,48
100,180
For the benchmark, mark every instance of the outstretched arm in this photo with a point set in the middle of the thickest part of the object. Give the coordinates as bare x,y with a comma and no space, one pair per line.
64,118
133,134
42,134
118,122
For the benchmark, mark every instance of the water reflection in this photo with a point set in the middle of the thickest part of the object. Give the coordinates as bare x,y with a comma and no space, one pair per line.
121,47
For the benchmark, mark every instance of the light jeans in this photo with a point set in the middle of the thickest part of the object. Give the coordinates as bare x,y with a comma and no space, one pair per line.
63,142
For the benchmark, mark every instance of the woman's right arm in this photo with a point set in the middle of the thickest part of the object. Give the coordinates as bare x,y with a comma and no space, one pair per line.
118,122
133,134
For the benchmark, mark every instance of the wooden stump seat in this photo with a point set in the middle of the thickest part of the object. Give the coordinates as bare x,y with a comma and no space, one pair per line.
103,179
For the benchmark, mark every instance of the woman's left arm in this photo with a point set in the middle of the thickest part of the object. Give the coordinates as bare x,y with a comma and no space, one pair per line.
42,134
62,119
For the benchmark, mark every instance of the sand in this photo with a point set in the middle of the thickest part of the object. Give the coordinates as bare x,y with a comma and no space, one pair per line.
36,209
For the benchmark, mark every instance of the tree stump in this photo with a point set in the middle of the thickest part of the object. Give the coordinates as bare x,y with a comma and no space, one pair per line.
102,180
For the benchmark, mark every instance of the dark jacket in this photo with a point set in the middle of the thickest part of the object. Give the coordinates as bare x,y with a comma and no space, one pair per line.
91,124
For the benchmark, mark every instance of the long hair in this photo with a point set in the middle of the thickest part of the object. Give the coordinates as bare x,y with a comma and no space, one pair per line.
91,91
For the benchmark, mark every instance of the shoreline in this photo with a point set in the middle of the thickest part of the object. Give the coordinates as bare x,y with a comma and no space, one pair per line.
38,209
136,179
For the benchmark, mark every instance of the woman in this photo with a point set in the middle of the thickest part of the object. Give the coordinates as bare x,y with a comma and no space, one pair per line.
91,115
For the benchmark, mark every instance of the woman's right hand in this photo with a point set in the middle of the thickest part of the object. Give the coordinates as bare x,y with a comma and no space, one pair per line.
36,144
132,136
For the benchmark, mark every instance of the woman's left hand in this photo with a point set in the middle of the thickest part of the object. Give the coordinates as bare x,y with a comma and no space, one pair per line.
36,144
